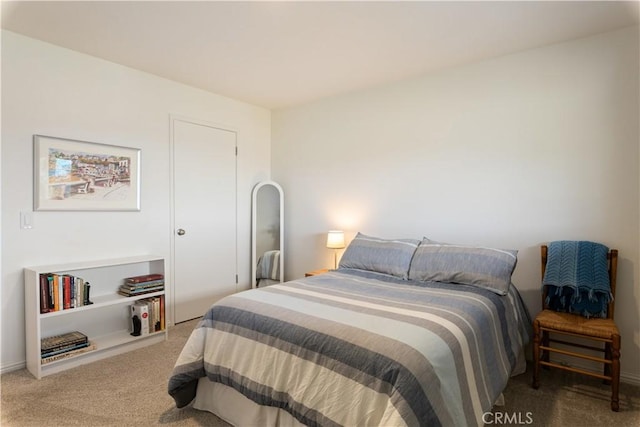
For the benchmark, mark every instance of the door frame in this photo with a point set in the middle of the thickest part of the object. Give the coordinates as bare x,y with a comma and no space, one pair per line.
173,118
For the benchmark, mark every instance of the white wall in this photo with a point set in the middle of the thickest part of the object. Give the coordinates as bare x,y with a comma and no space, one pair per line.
53,91
510,152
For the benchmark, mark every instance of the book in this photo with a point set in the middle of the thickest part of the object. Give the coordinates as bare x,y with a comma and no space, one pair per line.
54,285
161,312
79,282
51,296
72,291
156,314
60,284
44,294
66,288
142,284
60,345
142,288
67,354
57,341
129,293
144,278
64,349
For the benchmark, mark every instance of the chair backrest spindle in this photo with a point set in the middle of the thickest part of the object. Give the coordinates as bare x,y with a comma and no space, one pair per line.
543,268
613,276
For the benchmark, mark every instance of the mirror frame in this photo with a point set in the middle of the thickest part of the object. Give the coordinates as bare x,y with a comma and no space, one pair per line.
254,207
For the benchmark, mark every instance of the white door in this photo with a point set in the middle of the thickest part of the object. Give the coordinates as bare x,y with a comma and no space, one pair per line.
204,220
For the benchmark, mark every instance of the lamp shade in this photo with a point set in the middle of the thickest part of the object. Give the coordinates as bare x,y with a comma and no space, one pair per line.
335,239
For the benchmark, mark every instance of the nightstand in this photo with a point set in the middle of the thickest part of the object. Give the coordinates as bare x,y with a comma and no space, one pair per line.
316,272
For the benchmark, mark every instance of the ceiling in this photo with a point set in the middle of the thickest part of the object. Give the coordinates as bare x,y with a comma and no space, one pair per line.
286,53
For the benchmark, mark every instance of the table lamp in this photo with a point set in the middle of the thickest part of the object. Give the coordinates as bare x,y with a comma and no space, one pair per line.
335,241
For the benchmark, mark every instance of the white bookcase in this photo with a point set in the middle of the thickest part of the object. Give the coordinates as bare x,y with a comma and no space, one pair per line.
107,322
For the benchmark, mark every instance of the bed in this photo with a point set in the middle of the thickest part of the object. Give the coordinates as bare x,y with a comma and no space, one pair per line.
378,341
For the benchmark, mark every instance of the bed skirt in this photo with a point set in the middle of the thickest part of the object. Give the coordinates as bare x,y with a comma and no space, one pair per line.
237,410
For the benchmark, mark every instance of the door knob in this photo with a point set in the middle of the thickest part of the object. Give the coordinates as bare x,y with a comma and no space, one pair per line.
181,232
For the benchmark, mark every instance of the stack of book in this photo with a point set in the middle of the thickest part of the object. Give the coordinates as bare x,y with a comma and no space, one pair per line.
62,292
65,345
139,285
147,316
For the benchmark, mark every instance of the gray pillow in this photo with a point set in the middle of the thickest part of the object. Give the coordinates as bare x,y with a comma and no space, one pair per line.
388,256
479,266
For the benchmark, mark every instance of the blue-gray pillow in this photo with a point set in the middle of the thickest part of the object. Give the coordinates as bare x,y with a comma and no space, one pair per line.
488,268
387,256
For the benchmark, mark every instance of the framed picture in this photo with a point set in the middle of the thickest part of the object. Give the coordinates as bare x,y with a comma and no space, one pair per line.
74,175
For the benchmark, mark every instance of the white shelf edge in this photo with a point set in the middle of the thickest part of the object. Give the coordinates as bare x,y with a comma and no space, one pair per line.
101,301
82,265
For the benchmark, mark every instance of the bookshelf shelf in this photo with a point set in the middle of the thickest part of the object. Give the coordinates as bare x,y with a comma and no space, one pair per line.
106,322
103,301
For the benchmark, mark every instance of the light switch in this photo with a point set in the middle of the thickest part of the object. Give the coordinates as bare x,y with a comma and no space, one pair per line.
26,220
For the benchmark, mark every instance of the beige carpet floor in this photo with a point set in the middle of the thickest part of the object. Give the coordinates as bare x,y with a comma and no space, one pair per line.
126,390
131,390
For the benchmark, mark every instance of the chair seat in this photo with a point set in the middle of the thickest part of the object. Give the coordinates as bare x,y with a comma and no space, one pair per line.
576,324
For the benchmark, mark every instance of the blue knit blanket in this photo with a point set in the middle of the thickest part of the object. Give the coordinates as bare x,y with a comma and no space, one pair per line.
577,278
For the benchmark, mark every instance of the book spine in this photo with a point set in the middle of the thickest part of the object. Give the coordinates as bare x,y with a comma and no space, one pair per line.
156,314
143,284
80,287
128,295
162,313
66,288
60,292
44,297
144,278
51,300
56,290
63,343
142,290
72,281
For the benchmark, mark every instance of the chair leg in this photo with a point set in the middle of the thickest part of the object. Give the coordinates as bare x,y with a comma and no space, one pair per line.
607,366
615,372
536,355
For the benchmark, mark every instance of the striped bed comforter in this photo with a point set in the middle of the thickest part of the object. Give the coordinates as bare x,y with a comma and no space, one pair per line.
357,348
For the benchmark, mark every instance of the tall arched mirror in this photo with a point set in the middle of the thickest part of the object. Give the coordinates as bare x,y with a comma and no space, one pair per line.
267,234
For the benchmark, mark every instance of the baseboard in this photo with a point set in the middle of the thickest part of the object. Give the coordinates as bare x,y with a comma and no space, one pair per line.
12,367
632,379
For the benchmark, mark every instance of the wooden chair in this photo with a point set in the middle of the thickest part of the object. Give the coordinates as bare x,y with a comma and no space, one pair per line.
602,331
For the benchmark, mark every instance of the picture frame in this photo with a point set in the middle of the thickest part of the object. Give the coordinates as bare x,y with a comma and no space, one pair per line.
72,175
